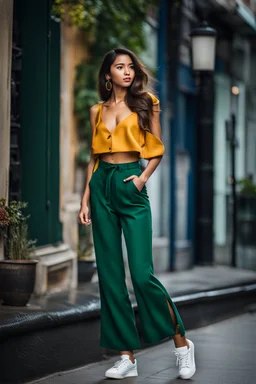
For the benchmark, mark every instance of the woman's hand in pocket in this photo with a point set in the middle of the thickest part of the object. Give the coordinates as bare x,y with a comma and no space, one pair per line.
84,215
138,181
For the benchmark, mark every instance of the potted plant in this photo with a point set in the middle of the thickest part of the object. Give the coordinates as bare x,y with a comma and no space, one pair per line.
86,265
246,212
17,270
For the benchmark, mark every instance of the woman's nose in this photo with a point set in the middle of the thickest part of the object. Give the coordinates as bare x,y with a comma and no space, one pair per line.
127,71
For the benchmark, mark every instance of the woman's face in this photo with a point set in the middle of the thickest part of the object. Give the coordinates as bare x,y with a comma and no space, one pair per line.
122,71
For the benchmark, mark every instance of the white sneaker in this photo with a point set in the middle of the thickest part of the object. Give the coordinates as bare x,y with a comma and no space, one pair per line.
186,360
123,368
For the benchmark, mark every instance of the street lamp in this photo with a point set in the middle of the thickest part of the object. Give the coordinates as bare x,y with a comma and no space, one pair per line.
203,47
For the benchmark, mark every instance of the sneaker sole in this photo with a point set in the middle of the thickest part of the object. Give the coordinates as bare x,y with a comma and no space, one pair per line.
119,377
193,362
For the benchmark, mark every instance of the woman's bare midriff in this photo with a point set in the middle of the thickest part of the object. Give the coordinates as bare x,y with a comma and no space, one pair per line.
120,157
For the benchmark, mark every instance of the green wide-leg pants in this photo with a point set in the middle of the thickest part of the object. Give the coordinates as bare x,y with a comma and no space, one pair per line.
118,206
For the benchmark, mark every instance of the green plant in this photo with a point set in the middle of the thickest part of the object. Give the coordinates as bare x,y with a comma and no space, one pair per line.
19,247
85,96
85,245
13,226
247,187
11,214
98,16
82,13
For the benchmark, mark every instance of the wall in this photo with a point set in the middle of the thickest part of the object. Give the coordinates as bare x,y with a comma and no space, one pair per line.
251,119
73,51
225,104
221,114
149,58
6,9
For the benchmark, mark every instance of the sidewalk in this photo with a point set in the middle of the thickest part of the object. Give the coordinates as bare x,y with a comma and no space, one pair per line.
224,355
58,332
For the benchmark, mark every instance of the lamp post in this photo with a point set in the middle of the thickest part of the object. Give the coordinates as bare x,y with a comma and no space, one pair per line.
203,46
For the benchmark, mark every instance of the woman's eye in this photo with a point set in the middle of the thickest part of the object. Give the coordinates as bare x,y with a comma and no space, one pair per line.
119,67
132,66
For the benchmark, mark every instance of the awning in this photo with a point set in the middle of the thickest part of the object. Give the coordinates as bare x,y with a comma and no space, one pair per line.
236,15
246,14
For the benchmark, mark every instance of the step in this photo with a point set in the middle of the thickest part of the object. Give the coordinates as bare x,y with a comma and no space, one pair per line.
36,342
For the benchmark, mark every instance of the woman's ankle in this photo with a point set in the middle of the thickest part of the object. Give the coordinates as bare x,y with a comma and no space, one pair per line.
180,341
129,353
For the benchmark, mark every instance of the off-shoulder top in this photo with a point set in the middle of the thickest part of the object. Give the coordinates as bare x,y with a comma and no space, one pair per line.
127,136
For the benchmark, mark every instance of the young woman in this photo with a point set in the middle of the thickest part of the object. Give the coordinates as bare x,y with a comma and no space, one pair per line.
125,128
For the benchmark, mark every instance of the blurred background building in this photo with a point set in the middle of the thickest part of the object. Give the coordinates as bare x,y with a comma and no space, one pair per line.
45,70
234,92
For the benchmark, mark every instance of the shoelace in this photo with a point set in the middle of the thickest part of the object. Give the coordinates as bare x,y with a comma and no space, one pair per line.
182,359
119,363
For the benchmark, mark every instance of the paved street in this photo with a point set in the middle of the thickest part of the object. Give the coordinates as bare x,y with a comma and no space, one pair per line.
225,353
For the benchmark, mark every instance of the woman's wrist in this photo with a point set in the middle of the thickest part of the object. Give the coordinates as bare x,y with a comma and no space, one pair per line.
143,178
84,202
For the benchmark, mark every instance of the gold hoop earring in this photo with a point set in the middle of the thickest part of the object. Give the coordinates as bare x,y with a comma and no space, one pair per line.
108,85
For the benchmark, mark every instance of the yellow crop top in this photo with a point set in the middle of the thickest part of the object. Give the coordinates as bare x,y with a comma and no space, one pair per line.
126,137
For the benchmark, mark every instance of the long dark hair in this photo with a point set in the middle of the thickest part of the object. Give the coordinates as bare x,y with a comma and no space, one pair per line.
137,99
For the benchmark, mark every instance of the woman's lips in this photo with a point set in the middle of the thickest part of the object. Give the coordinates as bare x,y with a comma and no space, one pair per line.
127,80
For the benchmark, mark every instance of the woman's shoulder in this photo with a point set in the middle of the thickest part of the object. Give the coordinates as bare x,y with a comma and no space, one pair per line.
95,113
96,107
154,99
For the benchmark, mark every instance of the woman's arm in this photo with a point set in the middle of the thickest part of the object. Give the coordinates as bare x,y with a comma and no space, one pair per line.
153,163
84,210
86,194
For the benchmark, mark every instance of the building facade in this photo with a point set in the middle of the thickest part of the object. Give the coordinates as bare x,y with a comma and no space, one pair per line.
39,129
236,28
31,132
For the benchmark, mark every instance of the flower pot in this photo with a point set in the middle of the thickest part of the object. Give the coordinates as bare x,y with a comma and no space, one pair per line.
17,281
86,270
